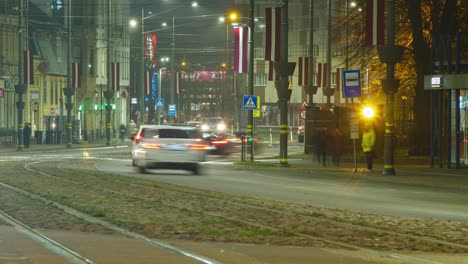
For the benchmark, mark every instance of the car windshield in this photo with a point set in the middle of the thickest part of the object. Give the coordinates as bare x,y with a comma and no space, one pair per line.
170,133
213,120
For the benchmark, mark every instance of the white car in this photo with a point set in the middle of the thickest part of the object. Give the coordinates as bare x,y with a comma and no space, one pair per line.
213,124
168,147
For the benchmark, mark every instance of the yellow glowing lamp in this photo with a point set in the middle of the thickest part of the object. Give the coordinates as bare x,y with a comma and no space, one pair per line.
368,112
233,16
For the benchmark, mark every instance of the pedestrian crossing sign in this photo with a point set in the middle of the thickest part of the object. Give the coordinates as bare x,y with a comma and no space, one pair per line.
250,102
159,102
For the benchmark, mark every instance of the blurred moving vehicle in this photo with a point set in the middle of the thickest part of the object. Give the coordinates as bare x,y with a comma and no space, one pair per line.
193,123
213,124
219,144
168,147
239,136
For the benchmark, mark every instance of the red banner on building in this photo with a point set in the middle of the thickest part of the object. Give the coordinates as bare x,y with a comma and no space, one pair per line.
240,49
272,74
28,67
76,75
150,50
273,33
304,64
375,22
322,72
147,82
115,75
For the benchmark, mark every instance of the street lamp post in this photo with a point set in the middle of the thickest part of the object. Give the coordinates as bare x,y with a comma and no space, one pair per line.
141,93
171,92
21,88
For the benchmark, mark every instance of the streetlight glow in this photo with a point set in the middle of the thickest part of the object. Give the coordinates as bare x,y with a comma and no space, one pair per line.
133,23
368,112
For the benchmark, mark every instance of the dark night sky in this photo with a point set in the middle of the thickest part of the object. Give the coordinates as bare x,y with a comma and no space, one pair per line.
199,36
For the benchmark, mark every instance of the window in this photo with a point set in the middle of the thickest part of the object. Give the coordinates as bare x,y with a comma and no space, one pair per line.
260,79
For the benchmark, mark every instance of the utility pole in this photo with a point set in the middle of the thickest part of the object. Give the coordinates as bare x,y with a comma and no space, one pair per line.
250,81
109,94
141,90
21,87
309,88
390,54
69,90
328,91
285,69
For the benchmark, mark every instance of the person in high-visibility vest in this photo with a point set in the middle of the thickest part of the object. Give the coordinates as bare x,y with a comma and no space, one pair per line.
368,142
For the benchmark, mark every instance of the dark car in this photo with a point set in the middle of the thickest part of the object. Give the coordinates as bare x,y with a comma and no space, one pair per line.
219,144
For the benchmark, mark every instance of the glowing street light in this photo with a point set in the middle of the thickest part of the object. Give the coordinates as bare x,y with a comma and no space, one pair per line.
368,112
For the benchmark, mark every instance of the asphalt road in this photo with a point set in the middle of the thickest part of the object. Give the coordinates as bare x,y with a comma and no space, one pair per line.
324,187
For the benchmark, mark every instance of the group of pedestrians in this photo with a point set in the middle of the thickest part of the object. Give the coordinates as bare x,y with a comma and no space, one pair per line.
330,142
327,142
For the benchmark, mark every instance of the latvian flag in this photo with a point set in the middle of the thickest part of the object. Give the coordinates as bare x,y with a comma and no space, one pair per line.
28,66
147,82
177,82
304,64
273,33
322,75
375,20
115,76
76,75
339,79
272,74
240,49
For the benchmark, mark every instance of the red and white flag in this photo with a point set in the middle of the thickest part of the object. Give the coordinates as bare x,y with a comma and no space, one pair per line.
375,22
115,76
76,75
272,74
28,66
273,33
147,82
177,82
322,75
304,64
339,79
240,49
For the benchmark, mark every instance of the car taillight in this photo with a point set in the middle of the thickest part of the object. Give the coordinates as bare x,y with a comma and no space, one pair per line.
197,146
219,142
151,145
138,138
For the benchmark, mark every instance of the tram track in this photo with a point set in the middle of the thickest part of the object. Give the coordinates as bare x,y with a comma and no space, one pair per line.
62,172
51,244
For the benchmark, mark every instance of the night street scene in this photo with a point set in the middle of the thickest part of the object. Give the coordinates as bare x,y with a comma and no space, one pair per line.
233,132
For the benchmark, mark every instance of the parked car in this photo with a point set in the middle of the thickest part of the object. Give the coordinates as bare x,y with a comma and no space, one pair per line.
168,147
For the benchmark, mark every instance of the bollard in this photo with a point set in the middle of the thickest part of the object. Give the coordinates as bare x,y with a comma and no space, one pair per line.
271,138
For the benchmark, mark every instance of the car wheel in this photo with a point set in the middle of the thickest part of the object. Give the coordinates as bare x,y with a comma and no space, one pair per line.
196,169
141,169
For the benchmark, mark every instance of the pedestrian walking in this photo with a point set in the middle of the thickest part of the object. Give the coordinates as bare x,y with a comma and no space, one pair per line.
26,135
123,131
336,147
368,142
324,144
315,139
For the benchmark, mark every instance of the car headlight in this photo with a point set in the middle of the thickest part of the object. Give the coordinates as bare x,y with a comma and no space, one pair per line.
221,126
205,127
